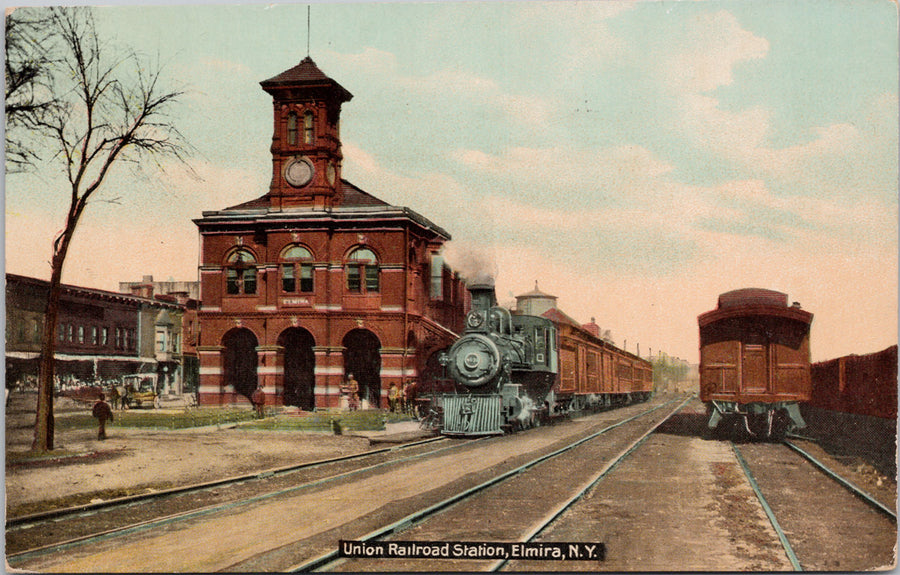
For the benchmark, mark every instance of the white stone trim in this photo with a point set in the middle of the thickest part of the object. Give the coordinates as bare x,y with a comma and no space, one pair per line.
269,370
328,370
398,372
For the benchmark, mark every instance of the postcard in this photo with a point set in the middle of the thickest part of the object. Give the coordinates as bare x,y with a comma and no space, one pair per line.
452,286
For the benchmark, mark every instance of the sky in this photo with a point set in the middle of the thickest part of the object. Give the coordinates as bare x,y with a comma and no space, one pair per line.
635,159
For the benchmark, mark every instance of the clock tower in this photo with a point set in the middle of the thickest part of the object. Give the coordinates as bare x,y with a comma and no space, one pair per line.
306,145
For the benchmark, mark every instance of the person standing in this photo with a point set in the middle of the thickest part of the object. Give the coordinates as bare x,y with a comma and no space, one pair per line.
258,399
102,412
393,395
353,389
410,393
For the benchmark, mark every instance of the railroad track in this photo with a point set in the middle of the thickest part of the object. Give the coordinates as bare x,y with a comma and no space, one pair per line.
811,525
188,499
145,529
332,559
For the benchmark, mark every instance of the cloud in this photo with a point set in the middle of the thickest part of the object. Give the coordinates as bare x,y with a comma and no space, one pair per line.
610,172
716,44
449,82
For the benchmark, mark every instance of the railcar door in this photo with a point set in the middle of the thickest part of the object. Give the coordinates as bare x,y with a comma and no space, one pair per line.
754,363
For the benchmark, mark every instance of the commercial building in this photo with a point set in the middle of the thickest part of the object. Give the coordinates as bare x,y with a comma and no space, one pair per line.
101,336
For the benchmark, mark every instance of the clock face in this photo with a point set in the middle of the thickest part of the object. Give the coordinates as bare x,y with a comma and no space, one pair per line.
298,172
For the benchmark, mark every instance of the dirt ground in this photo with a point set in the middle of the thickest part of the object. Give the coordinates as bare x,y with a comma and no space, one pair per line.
82,468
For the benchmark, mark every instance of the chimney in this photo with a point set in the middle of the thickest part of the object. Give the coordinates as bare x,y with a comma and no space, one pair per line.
143,289
483,296
592,328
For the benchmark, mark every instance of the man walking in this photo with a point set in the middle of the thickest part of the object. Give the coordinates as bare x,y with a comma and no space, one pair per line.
102,412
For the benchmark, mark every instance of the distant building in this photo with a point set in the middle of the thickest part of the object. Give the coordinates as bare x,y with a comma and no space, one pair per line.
102,335
175,336
317,279
535,302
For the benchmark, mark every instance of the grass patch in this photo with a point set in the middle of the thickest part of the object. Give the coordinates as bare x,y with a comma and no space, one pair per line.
195,417
368,420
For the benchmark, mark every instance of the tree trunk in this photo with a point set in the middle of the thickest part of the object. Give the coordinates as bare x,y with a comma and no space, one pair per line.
43,425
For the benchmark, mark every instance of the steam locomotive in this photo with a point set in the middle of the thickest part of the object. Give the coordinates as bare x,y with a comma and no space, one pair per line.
512,371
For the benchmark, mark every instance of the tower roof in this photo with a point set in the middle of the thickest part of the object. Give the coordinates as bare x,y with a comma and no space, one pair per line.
536,293
305,75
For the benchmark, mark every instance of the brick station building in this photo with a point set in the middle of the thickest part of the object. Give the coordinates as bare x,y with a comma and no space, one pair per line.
317,279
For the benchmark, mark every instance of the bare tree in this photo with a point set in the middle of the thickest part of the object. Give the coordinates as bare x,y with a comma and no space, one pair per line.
112,108
29,95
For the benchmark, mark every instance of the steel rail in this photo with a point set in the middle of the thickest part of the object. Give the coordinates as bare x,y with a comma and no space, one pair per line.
843,482
199,512
795,563
24,520
331,558
588,485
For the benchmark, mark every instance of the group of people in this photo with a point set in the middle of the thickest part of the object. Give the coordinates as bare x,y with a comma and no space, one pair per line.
402,399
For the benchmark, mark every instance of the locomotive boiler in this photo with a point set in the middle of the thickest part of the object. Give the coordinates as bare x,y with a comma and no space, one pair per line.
505,365
755,361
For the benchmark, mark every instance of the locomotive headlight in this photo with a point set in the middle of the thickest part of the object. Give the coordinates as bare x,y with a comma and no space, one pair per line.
475,319
472,360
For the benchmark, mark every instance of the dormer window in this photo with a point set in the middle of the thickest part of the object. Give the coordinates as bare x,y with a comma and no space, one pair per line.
362,271
240,273
308,128
292,129
296,269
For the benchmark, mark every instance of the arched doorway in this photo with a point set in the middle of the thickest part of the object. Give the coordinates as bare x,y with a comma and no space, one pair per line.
433,377
299,368
241,360
362,358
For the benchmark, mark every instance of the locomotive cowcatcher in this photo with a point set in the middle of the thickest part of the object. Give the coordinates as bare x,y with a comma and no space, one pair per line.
755,361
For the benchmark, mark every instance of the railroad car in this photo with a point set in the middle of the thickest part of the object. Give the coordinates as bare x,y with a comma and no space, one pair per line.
513,370
754,361
857,384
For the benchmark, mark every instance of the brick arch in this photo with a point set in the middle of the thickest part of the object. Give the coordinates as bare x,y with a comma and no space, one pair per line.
299,363
362,358
240,360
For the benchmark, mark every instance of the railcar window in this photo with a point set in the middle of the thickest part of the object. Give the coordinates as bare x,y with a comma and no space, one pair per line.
540,345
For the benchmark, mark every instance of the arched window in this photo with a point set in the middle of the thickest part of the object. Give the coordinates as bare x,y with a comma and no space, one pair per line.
362,271
240,273
292,128
296,265
308,128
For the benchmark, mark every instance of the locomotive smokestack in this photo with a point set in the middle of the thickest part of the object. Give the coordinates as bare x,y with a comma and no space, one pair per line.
483,296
